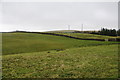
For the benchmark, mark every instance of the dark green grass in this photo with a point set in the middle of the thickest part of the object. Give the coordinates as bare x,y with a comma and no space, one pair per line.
85,62
15,43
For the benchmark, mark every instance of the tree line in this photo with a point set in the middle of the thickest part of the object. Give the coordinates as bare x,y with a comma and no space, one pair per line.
108,32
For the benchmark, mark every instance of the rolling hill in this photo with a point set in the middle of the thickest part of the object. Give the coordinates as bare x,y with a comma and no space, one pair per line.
85,62
82,35
15,43
30,55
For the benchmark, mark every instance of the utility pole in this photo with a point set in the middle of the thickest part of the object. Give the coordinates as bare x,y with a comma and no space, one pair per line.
68,27
82,28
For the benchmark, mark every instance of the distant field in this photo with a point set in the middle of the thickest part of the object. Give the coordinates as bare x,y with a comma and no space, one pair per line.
61,31
84,62
15,43
82,35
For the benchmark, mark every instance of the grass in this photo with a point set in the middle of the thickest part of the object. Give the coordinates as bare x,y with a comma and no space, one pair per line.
48,56
84,35
84,62
15,43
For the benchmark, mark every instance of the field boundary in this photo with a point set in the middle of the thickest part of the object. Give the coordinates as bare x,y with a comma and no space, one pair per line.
110,39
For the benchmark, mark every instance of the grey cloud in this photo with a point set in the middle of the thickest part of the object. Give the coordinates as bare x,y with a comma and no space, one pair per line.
43,16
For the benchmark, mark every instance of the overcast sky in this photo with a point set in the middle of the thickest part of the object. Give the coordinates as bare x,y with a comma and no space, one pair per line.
46,16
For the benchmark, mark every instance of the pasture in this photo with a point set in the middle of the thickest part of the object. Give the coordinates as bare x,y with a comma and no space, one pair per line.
82,35
28,55
85,62
15,43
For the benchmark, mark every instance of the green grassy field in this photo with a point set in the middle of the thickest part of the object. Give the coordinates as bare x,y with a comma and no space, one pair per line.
85,62
82,35
28,55
15,43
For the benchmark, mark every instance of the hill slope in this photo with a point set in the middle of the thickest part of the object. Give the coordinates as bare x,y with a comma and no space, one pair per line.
81,35
15,43
85,62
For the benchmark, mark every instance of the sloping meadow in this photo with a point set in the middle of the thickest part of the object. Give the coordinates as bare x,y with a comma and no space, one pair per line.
85,62
15,43
29,55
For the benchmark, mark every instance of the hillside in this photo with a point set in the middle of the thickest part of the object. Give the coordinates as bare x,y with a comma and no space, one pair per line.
31,55
61,31
81,35
15,43
85,62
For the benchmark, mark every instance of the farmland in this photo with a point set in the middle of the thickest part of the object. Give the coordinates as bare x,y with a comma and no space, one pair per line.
82,35
28,55
15,43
